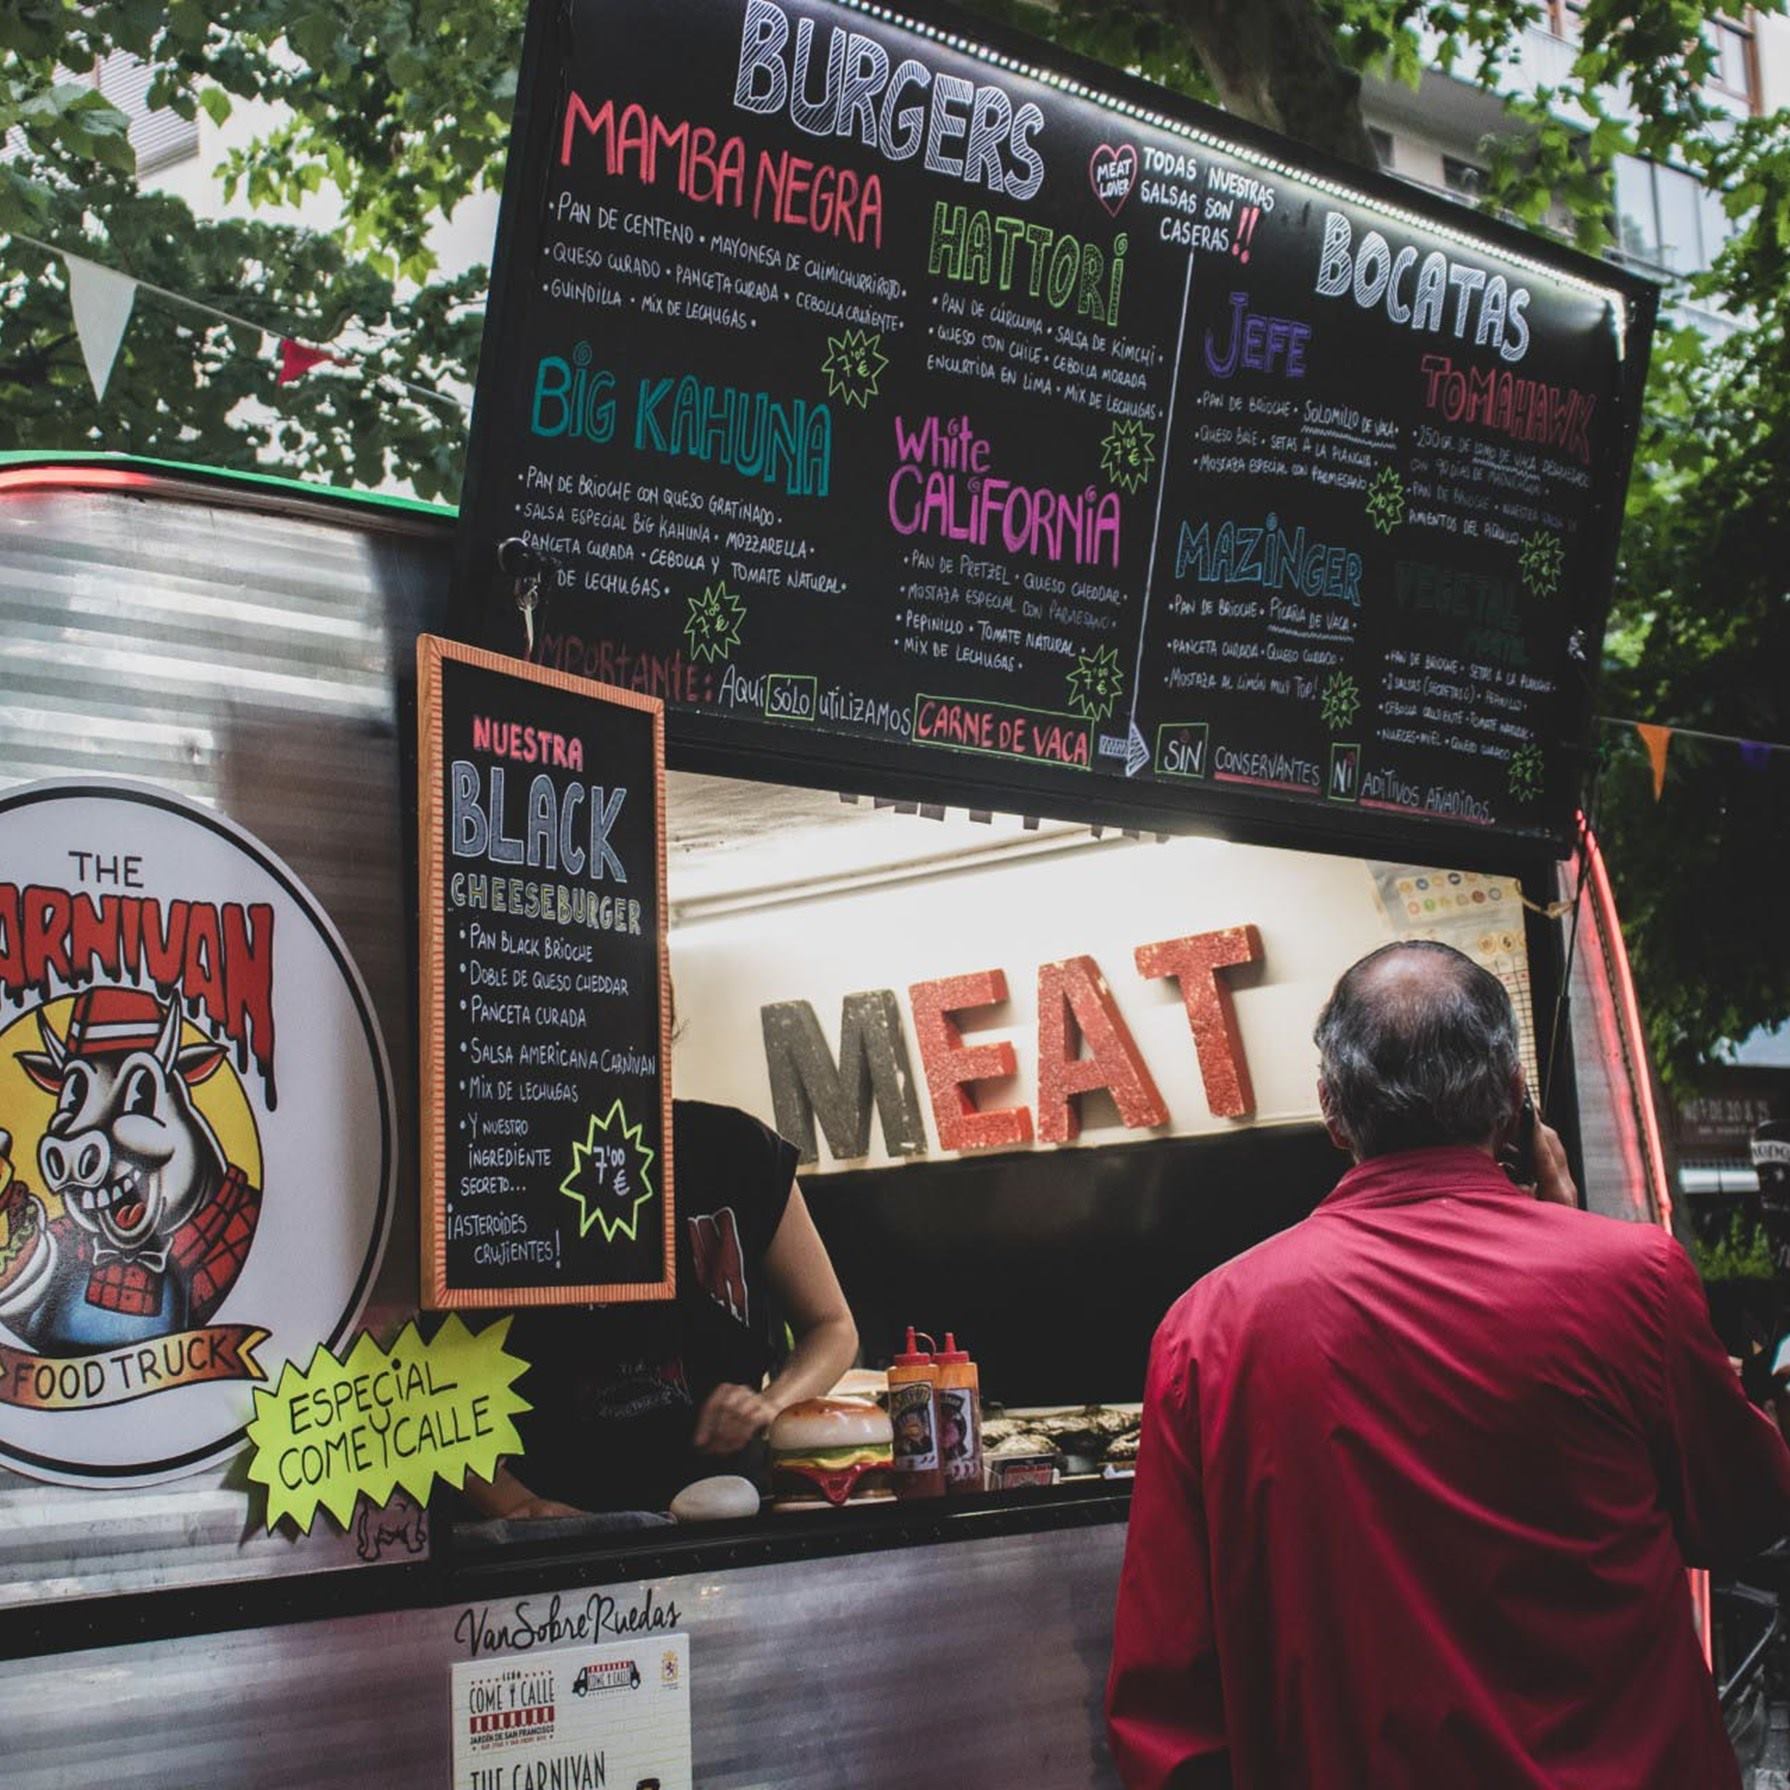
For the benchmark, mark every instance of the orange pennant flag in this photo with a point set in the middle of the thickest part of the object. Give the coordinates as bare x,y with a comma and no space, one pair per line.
1658,741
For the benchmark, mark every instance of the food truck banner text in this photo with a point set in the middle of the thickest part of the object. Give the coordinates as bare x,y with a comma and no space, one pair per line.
196,1151
340,1430
884,398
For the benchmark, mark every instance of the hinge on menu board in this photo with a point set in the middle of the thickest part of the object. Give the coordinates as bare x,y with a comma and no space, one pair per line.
524,567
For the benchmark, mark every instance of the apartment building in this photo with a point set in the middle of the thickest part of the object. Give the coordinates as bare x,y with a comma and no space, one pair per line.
1666,225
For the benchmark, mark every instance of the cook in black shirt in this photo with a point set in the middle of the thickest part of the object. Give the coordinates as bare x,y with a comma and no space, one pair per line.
632,1403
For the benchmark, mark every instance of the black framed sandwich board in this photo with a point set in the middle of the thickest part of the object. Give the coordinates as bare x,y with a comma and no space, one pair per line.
547,1175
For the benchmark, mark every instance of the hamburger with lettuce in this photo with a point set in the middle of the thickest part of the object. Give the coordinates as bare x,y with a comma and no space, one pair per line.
831,1451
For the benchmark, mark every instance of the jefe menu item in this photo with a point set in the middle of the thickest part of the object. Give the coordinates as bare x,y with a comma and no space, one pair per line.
838,1448
886,392
547,1172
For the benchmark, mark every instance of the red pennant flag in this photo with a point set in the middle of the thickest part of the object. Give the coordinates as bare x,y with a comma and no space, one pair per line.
1658,741
296,360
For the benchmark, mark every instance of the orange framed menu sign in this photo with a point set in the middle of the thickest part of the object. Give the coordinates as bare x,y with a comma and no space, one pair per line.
547,1174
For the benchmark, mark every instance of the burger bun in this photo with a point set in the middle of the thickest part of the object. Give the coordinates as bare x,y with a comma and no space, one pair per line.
822,1423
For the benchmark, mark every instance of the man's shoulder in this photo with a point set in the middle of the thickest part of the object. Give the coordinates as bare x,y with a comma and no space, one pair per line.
1311,1258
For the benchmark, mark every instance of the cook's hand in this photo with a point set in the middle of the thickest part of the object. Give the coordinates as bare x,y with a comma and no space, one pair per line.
532,1509
730,1418
1553,1181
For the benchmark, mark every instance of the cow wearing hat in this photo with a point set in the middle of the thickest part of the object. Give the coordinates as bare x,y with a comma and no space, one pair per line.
156,1224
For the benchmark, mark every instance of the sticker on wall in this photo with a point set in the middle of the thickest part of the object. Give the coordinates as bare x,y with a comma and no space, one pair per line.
608,1712
196,1151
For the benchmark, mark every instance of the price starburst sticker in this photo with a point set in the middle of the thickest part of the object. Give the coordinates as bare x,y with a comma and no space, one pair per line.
611,1176
1127,455
1526,772
1541,561
1386,500
716,617
1096,684
854,366
1339,700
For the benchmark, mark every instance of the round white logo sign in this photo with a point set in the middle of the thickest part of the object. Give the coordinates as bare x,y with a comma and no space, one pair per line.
196,1149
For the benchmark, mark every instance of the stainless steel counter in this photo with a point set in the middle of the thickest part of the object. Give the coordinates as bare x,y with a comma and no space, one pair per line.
977,1663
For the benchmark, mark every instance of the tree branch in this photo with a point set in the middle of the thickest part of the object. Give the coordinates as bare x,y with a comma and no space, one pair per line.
1274,62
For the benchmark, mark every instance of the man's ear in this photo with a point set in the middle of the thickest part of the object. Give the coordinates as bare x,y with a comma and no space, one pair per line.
1507,1131
1337,1135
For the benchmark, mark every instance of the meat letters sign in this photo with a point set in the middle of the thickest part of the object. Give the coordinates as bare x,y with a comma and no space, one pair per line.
547,1174
193,1098
1083,1046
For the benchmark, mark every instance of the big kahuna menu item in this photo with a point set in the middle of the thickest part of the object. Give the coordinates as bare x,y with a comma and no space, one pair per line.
547,1172
847,377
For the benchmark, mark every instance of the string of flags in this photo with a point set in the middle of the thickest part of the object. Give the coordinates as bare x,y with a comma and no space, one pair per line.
102,300
1656,739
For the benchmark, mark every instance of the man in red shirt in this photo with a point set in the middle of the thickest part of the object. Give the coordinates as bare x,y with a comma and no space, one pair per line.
1420,1477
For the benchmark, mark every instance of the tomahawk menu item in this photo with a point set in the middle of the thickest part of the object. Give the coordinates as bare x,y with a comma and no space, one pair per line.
547,1174
850,378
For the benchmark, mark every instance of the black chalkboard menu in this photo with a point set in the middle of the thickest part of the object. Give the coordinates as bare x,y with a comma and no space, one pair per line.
546,1082
891,397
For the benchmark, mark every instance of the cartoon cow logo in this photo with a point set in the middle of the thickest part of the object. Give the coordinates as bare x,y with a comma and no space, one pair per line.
142,1222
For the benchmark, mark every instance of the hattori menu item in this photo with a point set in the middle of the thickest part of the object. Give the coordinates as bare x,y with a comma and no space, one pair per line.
845,376
546,1084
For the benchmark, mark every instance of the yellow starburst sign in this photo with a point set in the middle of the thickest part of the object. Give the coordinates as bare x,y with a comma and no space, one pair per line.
336,1430
611,1176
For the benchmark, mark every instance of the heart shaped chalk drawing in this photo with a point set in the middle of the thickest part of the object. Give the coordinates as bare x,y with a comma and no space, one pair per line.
1113,173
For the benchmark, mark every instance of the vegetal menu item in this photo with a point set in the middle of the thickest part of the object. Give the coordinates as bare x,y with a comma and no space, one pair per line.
897,396
547,1172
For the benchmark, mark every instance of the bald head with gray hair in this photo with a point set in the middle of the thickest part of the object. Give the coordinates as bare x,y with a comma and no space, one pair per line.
1418,1047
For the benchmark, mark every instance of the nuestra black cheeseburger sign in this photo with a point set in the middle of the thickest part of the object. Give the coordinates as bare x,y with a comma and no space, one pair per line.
853,378
547,1172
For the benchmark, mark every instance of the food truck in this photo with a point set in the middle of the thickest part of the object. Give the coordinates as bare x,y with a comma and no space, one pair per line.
1059,575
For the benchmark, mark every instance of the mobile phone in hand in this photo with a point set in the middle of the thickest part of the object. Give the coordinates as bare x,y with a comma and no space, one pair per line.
1518,1155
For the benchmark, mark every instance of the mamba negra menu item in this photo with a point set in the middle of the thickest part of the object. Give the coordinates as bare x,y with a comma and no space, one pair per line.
547,1173
879,398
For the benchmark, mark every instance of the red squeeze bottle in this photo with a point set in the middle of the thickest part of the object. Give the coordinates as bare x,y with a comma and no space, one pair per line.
960,1417
913,1410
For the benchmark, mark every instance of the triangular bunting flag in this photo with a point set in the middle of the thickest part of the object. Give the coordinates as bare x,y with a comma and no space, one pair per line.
1755,754
101,301
296,360
1658,741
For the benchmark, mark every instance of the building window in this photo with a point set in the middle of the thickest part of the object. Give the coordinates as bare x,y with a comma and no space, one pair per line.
1563,18
1666,219
159,136
1466,180
1733,70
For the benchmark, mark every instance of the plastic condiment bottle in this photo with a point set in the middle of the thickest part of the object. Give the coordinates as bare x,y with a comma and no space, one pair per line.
960,1417
914,1412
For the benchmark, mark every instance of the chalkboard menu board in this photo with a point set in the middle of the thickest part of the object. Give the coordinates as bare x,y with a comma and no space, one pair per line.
546,1082
893,402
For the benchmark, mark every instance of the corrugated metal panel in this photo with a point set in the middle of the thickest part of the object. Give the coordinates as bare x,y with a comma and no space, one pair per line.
250,659
976,1664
